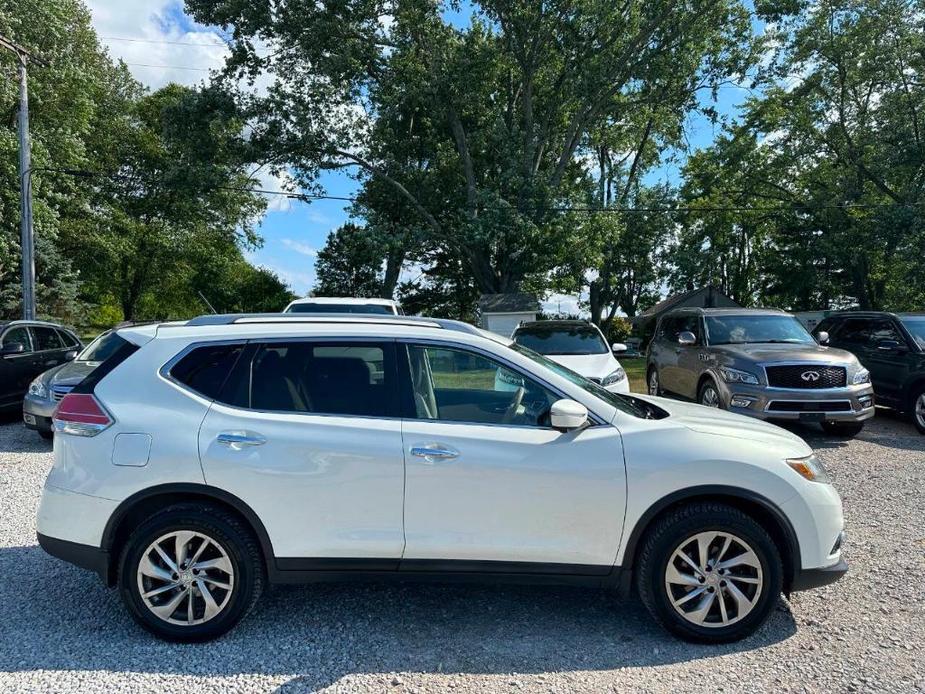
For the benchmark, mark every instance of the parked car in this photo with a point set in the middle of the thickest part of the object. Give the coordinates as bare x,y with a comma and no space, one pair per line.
578,345
892,347
27,348
762,363
202,460
323,304
48,388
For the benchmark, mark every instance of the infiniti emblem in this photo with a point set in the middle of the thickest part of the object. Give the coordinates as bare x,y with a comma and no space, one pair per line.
810,376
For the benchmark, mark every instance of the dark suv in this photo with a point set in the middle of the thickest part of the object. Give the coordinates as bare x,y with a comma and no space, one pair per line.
892,347
27,348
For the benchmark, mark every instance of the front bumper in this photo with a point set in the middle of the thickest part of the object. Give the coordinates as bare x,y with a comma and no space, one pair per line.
848,404
807,579
37,412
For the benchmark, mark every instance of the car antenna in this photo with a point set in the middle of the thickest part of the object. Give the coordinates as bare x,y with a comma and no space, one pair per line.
203,297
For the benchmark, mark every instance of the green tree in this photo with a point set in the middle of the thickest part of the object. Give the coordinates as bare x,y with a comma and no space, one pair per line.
350,264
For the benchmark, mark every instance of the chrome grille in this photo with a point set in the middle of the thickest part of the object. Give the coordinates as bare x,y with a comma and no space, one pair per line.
806,376
58,392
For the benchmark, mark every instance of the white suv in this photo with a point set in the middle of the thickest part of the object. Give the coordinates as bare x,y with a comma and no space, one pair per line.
205,459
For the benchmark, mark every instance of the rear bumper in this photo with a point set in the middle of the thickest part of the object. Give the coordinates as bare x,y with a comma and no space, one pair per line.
84,556
807,579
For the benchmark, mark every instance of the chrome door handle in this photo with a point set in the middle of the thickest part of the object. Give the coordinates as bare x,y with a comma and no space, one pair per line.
237,440
432,453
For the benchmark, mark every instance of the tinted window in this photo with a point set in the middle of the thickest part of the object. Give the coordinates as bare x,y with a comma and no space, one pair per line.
328,378
867,332
206,368
101,348
68,339
759,328
454,385
20,335
45,338
341,308
576,339
673,326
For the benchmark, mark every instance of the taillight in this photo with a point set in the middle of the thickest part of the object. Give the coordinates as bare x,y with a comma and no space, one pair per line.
81,414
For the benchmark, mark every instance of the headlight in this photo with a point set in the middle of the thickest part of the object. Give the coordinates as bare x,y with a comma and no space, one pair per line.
810,468
614,377
38,389
861,376
736,376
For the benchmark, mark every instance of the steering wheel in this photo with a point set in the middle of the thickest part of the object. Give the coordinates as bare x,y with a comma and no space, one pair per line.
511,410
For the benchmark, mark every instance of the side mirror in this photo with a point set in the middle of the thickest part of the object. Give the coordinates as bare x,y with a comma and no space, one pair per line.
822,337
566,415
888,345
13,348
618,347
70,355
687,338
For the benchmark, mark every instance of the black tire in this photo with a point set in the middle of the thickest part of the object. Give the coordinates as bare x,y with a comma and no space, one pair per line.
918,418
679,526
702,392
223,528
47,435
652,374
843,430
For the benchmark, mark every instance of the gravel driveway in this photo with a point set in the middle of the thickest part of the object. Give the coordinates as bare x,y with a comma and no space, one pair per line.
61,630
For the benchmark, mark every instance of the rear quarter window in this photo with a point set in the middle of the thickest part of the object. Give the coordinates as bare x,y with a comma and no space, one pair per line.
206,368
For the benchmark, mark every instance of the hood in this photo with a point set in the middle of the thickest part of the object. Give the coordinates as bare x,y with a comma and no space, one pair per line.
587,365
765,352
69,374
710,420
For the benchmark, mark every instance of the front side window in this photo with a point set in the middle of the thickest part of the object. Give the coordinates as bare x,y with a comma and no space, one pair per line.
577,339
856,331
68,339
322,378
751,329
455,385
45,339
20,335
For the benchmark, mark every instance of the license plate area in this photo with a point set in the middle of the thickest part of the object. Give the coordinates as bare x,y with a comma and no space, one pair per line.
812,416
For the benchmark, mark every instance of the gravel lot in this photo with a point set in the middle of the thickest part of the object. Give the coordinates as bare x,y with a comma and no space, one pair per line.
61,630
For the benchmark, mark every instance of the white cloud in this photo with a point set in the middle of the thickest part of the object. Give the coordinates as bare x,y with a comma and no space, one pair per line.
300,247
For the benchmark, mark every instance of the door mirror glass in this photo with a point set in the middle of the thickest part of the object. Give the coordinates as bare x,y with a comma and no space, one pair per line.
618,347
687,338
13,348
822,337
567,415
70,355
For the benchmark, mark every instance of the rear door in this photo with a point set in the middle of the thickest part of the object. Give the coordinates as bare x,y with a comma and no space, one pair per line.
50,350
306,433
16,370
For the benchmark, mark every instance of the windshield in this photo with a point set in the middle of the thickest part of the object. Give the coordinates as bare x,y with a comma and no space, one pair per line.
578,339
745,329
916,327
101,348
341,308
624,403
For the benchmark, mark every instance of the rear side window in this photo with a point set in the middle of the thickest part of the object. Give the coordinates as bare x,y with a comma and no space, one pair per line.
45,338
205,369
324,378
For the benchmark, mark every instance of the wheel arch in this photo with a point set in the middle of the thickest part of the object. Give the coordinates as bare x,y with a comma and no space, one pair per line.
911,388
141,504
762,509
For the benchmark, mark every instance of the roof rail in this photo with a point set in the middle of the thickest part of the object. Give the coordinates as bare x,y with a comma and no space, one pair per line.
368,318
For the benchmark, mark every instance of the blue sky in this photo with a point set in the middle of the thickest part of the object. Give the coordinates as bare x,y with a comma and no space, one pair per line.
161,44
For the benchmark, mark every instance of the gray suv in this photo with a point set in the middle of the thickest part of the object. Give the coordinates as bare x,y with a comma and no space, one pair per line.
761,363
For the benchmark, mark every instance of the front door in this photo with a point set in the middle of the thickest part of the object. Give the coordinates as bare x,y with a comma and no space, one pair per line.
305,433
888,364
490,485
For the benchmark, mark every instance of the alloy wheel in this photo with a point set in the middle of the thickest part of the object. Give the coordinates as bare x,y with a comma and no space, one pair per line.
709,396
185,578
920,411
714,579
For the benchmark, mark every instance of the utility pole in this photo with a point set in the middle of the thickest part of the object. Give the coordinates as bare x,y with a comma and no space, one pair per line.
25,179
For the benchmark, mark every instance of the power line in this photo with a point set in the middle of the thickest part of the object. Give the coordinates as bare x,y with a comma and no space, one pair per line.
173,67
163,41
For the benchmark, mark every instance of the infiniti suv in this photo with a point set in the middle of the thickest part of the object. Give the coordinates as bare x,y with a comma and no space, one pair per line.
758,362
205,459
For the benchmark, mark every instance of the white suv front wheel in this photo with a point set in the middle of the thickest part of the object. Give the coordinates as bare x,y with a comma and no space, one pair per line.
190,572
709,573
